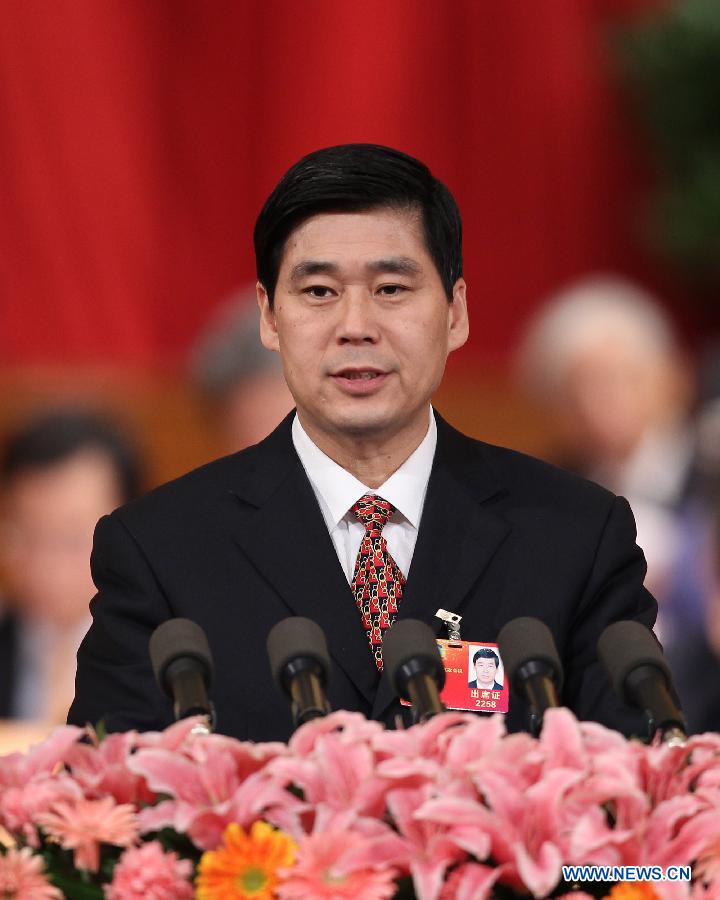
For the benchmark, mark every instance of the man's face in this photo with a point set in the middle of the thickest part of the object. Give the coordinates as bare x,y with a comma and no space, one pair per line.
485,670
362,324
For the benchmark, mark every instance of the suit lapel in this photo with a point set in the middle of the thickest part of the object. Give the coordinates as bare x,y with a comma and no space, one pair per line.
459,534
287,541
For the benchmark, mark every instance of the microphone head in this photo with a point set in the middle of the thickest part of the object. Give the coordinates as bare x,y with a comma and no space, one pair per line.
293,639
409,648
623,647
179,639
525,640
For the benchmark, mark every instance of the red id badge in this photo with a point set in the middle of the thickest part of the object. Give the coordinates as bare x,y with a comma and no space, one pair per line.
474,677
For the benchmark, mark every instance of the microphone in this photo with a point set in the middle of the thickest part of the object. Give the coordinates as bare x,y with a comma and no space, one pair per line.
636,666
415,667
183,667
300,664
531,660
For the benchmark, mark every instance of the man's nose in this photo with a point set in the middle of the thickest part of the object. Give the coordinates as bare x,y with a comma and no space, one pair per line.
357,317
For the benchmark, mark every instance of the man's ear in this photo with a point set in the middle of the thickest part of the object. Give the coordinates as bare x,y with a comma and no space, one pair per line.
268,326
458,325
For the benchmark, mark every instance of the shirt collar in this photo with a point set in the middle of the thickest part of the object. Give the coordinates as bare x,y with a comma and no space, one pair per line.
338,490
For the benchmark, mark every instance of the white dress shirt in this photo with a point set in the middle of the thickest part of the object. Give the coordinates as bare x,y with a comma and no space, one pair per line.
337,492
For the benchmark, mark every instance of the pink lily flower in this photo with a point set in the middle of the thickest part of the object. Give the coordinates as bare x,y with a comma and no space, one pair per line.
421,741
102,768
16,769
338,772
431,850
471,881
207,791
353,727
475,739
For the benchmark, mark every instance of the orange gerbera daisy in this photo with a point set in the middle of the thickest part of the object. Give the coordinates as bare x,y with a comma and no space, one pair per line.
638,890
246,865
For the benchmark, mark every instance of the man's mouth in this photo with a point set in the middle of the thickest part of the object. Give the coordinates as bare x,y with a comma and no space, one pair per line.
357,374
359,380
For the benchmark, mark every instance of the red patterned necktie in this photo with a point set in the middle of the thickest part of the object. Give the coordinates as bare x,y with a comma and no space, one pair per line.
377,582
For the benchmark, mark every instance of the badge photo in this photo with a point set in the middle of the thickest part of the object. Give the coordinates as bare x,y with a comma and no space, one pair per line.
474,677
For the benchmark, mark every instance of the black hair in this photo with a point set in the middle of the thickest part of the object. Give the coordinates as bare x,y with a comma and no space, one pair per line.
53,437
486,653
357,178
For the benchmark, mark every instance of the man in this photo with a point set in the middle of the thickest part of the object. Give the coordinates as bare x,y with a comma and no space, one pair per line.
363,505
603,363
59,473
486,662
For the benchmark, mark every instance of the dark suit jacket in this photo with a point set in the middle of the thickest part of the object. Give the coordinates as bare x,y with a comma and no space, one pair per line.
240,543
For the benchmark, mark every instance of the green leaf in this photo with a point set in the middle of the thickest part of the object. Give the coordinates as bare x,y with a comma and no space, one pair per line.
405,889
76,888
178,843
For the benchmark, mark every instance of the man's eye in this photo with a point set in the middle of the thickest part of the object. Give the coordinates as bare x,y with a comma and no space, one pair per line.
391,290
319,291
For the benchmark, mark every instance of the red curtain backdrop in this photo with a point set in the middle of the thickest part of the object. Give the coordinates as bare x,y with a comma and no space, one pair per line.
138,139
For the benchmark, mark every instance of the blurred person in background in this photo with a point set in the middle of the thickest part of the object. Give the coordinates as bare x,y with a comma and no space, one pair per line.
241,382
601,358
59,474
692,601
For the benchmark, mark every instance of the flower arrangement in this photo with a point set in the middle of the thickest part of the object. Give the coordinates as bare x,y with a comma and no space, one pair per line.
454,808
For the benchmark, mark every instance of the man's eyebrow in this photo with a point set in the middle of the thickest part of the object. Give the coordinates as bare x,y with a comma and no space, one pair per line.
313,267
395,265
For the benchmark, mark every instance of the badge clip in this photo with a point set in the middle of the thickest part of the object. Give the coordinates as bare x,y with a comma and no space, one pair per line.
452,622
